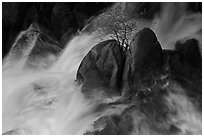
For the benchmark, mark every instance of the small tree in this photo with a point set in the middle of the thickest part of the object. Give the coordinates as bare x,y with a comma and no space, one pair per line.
114,23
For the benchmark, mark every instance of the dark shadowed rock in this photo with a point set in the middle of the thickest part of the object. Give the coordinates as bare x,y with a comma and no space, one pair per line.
146,53
113,125
190,56
185,61
185,67
144,59
102,67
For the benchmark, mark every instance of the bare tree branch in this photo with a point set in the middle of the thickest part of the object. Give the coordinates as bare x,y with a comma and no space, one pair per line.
117,25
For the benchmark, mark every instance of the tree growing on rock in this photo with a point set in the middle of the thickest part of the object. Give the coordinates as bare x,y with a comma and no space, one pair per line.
114,23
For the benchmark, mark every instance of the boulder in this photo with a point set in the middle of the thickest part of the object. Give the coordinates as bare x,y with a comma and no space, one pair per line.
190,54
112,125
185,65
146,53
102,68
185,61
144,59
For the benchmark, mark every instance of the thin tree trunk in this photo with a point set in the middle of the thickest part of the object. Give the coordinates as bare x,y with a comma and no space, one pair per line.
117,36
124,38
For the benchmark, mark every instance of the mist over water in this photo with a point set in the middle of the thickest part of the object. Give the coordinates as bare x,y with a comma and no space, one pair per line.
49,101
175,23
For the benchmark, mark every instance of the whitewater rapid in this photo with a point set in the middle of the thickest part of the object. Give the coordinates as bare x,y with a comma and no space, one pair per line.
47,101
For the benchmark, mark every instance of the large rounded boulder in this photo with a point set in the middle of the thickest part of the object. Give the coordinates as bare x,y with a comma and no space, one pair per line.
102,68
144,60
146,53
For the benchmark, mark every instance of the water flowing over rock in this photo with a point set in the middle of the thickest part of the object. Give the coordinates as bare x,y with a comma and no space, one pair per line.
62,19
185,66
138,91
150,79
65,74
35,45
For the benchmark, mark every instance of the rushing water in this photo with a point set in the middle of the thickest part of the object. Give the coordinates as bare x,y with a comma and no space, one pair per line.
176,23
48,101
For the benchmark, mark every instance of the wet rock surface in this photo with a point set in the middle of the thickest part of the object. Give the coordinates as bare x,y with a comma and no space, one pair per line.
144,76
102,68
144,59
157,88
160,89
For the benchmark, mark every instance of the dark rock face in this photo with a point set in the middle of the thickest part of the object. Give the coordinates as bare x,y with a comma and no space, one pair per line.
102,67
145,56
190,59
144,64
145,52
105,63
185,66
144,76
114,125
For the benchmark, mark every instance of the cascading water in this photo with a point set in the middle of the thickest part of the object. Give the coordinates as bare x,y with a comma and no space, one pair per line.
45,99
176,23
